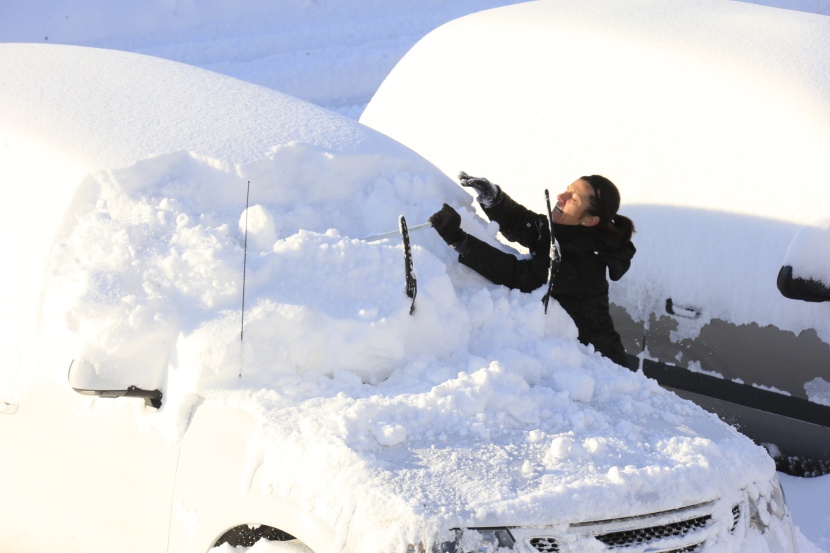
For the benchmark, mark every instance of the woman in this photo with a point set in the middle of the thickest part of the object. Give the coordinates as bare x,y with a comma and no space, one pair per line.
592,238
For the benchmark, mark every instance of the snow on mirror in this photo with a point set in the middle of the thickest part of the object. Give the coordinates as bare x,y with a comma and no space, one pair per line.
805,273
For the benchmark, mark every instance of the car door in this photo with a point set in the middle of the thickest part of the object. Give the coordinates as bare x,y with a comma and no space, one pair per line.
753,377
82,474
765,357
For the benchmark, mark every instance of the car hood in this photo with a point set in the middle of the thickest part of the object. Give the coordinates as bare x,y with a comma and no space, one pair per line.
491,447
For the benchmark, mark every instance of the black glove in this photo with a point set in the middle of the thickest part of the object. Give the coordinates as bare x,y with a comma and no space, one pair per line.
489,194
447,222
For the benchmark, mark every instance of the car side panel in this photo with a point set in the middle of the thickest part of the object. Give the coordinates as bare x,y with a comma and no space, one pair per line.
761,356
216,486
80,476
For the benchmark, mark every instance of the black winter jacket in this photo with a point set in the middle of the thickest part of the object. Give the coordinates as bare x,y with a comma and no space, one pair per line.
580,285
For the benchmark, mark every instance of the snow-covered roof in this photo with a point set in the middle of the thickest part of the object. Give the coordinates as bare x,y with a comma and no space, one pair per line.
83,124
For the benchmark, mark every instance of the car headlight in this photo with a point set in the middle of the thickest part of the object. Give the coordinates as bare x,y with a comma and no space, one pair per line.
762,508
477,540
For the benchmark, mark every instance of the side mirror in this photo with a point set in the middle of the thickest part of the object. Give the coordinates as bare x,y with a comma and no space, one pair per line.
801,288
805,257
85,380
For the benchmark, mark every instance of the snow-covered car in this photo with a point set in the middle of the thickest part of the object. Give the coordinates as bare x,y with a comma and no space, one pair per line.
713,118
205,345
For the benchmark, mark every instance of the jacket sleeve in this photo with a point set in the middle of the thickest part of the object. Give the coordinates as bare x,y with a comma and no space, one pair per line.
505,268
519,224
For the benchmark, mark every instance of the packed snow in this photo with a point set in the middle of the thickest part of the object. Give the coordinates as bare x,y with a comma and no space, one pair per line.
154,263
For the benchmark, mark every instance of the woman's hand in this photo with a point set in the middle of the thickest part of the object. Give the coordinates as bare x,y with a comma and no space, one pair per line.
447,222
489,194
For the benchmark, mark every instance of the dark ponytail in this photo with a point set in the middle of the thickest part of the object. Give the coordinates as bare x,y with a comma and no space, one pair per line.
623,227
604,204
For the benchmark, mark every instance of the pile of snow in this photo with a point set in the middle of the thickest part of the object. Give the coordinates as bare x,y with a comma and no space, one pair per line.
334,53
179,176
155,230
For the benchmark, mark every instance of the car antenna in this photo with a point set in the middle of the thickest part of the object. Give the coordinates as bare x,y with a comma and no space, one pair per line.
244,271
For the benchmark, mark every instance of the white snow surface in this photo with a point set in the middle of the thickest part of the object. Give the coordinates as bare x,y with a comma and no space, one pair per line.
142,189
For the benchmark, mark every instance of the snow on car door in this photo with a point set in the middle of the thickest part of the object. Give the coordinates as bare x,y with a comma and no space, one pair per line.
81,475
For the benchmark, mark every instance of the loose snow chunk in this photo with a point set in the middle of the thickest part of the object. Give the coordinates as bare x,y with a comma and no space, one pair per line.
389,434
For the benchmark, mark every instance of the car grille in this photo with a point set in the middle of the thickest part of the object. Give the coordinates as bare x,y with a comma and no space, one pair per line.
545,545
642,531
616,540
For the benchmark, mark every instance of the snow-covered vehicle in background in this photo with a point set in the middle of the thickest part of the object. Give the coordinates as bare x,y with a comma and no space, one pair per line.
713,118
201,349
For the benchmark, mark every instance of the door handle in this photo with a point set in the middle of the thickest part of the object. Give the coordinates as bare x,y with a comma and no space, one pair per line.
682,311
8,408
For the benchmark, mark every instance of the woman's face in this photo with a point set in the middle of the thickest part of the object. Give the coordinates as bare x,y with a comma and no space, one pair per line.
571,205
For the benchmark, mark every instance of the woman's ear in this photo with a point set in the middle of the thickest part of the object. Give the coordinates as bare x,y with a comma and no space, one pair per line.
590,220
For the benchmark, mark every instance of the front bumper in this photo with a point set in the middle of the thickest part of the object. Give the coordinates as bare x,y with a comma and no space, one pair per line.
749,524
